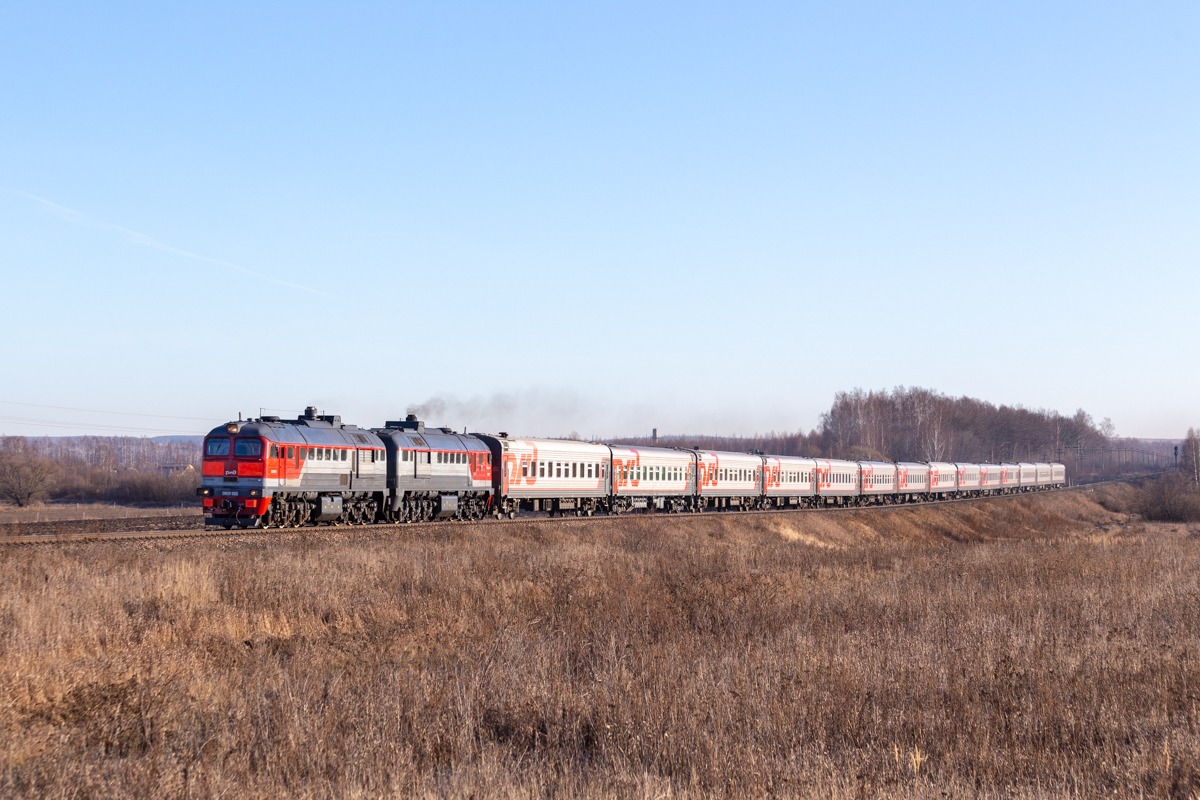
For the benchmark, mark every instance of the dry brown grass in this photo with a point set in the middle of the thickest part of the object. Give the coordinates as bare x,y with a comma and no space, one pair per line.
1033,647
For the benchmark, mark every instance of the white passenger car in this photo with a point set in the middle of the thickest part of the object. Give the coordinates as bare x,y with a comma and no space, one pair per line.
729,480
912,481
970,478
878,481
657,477
789,480
554,475
989,478
837,481
1010,477
1058,474
943,478
1042,474
1028,476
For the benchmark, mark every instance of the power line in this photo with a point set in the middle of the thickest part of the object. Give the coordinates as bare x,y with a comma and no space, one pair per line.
87,426
97,411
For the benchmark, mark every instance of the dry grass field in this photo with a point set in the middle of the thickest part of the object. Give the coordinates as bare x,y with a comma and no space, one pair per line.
1034,647
70,512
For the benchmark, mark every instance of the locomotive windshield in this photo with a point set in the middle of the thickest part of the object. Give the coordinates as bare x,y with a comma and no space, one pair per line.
246,447
217,447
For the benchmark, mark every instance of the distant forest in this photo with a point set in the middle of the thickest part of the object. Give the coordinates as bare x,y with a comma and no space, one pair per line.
914,424
121,469
110,453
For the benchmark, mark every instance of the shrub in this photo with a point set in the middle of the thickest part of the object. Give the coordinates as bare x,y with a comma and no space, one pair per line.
1171,498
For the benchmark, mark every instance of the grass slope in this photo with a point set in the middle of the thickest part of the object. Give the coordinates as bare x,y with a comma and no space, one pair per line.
1025,647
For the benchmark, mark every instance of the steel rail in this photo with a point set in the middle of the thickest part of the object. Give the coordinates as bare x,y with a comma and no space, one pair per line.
201,533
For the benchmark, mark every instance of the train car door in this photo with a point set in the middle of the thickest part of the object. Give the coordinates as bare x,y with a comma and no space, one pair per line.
286,470
422,464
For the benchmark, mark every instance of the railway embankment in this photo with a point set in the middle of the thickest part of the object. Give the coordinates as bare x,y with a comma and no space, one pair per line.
1081,511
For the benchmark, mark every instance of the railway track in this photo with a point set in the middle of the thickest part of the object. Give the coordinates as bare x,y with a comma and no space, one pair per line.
538,519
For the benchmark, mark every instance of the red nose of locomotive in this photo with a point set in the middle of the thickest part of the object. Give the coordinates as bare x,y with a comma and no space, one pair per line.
233,470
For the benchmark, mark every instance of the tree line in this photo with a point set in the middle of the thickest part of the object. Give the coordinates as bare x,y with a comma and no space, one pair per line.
120,469
916,424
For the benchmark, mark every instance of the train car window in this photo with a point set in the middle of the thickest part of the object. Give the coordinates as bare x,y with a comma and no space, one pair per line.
345,453
217,447
274,451
291,452
310,454
524,470
247,447
589,471
541,469
574,469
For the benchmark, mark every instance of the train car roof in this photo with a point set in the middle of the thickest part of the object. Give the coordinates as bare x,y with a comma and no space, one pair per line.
306,432
558,445
431,439
653,452
727,455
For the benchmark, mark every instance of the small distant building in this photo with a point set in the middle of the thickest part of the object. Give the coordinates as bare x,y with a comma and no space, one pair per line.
172,469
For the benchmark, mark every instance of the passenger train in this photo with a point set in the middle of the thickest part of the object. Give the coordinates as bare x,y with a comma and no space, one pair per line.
269,472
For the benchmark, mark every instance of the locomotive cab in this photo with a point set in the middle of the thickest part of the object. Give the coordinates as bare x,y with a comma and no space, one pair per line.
233,475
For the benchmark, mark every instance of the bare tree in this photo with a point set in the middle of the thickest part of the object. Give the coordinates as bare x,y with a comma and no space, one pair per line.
1191,454
24,477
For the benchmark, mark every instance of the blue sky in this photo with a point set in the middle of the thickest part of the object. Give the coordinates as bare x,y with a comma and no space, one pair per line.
595,217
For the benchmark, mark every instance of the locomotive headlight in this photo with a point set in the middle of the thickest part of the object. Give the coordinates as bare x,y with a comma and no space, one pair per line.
255,492
204,491
232,427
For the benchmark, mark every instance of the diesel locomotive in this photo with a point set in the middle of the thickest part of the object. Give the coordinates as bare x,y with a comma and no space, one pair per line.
269,472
